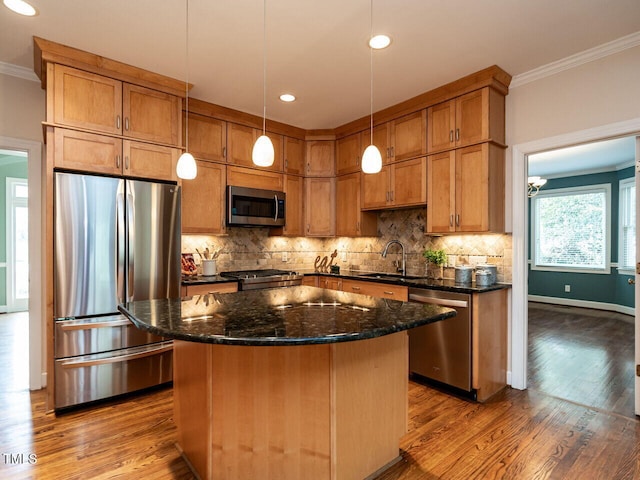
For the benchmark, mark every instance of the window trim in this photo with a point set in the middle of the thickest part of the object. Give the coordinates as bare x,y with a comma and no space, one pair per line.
597,188
623,184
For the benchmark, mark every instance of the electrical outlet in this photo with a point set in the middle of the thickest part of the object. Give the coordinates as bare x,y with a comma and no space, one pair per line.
567,288
285,256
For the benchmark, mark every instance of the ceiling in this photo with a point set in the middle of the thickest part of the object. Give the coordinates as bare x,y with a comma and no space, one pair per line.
318,50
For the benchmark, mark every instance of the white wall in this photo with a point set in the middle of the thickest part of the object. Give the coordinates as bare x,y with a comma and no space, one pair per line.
590,101
22,108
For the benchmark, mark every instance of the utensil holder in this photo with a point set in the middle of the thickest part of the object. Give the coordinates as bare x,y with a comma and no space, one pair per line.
209,268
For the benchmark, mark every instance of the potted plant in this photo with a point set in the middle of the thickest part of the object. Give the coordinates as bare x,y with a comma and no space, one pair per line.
435,263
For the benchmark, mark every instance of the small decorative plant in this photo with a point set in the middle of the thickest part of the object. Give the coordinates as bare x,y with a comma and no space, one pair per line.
435,263
437,257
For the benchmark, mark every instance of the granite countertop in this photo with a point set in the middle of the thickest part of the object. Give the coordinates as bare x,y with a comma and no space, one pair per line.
204,279
280,316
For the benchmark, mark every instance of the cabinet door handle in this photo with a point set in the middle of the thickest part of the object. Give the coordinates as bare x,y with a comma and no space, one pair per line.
358,226
118,122
457,134
392,195
451,220
126,124
388,293
355,288
387,196
126,162
117,161
224,152
308,227
450,135
286,163
457,220
393,151
388,152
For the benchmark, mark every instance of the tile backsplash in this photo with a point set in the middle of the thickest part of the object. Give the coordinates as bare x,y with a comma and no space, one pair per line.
253,248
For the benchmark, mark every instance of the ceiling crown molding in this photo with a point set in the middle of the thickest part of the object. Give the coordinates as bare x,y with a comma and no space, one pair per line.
604,50
17,71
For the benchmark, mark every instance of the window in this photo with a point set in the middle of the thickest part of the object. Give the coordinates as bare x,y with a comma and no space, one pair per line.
571,229
627,221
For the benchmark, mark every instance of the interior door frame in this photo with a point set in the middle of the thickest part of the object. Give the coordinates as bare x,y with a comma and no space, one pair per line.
13,304
637,284
37,367
517,375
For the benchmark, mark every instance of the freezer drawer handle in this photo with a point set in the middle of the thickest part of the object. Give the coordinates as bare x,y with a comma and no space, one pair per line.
439,301
86,326
121,358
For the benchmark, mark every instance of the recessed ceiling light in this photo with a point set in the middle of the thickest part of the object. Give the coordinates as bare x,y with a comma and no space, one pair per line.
21,7
379,41
287,97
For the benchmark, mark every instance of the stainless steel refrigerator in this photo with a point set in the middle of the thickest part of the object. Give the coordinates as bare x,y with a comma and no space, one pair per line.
115,240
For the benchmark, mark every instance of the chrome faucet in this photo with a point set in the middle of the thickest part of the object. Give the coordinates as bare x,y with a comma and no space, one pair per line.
403,270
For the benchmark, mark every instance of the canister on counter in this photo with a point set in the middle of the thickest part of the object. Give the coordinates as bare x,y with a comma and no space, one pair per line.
492,269
483,278
463,273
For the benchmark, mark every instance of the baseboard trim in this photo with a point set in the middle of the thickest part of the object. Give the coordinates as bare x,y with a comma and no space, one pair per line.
610,307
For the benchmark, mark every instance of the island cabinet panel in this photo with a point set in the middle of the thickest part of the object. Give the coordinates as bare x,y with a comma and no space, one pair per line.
320,158
489,357
249,177
207,138
203,200
328,411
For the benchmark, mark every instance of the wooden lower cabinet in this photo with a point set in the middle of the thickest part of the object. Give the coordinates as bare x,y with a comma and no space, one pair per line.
203,200
351,221
205,288
374,289
320,202
331,283
398,185
310,280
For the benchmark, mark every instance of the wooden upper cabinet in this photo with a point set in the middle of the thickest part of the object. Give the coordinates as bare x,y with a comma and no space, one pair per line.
294,156
93,102
252,178
203,200
76,150
294,189
466,190
401,184
146,160
408,136
207,138
381,139
348,154
351,221
151,115
240,141
466,120
320,158
86,100
320,199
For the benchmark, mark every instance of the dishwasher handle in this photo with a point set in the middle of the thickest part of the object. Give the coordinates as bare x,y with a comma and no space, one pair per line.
444,302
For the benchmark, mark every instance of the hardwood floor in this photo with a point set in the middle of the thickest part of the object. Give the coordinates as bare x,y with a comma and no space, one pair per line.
515,435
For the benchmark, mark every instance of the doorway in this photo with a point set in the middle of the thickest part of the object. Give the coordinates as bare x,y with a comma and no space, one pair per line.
519,314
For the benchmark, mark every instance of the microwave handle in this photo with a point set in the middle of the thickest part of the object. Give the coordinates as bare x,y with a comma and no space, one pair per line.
275,198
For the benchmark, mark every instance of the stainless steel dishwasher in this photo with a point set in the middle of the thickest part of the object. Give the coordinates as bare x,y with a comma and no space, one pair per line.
442,350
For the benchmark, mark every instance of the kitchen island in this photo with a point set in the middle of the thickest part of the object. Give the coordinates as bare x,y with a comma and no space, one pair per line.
288,383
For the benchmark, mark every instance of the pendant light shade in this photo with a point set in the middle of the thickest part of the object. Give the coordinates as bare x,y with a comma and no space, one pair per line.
371,160
187,168
263,153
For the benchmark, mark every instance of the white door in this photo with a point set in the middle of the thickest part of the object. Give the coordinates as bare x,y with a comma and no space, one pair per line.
637,289
17,229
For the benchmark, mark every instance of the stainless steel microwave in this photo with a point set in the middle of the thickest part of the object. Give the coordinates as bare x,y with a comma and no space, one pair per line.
254,207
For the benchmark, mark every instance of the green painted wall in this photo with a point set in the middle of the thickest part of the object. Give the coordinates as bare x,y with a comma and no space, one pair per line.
16,167
612,288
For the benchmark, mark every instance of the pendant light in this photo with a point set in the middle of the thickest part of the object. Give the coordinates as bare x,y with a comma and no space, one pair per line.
263,153
371,158
187,168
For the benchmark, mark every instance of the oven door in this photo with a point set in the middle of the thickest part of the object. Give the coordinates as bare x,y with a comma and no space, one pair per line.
248,207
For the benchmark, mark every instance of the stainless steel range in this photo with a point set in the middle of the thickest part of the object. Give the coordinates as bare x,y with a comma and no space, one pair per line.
256,279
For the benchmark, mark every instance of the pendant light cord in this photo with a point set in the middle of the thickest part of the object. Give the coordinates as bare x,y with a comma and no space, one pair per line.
264,67
371,67
186,85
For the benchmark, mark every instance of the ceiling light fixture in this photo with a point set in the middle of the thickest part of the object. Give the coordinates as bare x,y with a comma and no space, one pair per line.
20,7
187,168
371,158
287,97
379,41
263,153
534,185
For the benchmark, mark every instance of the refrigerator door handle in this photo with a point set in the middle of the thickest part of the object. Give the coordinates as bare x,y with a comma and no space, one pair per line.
120,244
131,250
